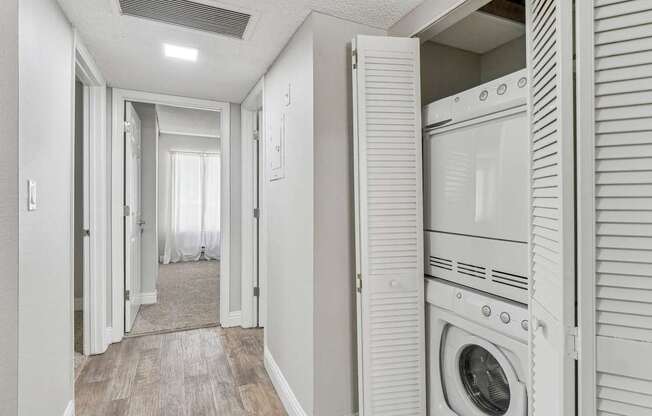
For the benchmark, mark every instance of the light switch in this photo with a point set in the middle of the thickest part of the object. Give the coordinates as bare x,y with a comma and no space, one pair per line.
31,195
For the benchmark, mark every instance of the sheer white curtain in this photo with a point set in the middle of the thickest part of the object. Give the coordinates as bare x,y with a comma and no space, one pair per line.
193,223
211,214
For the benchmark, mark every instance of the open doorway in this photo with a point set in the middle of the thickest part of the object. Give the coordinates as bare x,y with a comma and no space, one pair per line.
80,211
89,210
173,239
170,215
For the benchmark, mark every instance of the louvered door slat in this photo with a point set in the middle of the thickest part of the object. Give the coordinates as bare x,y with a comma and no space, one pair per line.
615,121
551,219
389,226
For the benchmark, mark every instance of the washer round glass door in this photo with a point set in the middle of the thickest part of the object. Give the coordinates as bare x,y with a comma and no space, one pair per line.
477,377
484,380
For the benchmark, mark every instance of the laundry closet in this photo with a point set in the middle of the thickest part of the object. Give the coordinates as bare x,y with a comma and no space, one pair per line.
503,185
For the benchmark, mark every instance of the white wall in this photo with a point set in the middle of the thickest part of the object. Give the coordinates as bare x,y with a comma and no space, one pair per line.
167,143
290,218
311,317
9,207
422,16
235,287
148,196
45,241
446,71
334,242
503,60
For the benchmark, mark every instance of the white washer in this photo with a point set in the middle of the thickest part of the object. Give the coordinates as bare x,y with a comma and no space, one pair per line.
477,352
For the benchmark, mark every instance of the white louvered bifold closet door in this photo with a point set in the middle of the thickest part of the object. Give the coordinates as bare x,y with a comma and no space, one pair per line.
615,210
552,234
389,226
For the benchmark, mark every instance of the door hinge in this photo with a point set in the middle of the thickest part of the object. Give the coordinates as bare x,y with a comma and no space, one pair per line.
126,211
354,58
126,127
358,282
256,213
574,343
86,233
127,295
256,291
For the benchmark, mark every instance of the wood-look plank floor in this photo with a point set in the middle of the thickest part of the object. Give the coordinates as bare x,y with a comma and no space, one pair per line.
204,372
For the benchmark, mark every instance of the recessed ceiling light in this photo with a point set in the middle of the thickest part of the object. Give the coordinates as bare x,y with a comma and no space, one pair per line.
179,52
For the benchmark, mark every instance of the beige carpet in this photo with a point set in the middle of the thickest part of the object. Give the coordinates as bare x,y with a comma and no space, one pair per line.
188,297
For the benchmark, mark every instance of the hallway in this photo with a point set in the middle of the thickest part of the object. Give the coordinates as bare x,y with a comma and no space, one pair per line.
210,371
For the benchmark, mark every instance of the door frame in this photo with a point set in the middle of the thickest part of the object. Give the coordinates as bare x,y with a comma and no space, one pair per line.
585,208
119,97
253,315
96,217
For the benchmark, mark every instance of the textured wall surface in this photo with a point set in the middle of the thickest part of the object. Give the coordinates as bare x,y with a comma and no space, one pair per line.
45,235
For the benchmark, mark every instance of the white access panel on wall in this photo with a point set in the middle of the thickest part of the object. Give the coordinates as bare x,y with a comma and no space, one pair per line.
615,206
389,226
552,233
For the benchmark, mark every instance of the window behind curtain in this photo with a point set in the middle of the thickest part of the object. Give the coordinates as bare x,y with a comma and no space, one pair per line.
194,207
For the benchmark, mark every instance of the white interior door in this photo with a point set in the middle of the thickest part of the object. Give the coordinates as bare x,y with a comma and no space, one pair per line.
133,215
615,211
389,226
552,233
86,207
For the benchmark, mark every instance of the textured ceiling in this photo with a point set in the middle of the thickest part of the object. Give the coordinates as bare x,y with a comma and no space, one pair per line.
129,50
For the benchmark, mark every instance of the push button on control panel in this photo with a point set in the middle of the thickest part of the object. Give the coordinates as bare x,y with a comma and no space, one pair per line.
486,310
505,317
525,325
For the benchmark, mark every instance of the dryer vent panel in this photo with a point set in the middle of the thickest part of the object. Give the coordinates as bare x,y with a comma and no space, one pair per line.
190,14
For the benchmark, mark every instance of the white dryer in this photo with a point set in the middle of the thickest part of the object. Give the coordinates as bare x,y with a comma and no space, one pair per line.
475,158
477,352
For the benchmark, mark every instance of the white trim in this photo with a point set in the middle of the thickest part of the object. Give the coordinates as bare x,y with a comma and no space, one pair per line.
251,105
231,319
283,389
428,18
96,217
586,220
108,335
70,409
117,189
181,133
148,298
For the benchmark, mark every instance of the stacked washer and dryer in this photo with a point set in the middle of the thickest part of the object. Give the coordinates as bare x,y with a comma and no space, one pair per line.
476,219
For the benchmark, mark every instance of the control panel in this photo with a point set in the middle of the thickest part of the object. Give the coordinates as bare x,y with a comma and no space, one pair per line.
499,314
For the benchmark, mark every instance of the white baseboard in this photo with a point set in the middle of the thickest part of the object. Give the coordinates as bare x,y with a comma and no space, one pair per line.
231,320
108,335
79,304
285,393
149,298
70,409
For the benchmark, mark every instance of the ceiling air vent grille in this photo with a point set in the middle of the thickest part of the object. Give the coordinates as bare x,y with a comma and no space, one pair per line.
190,14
